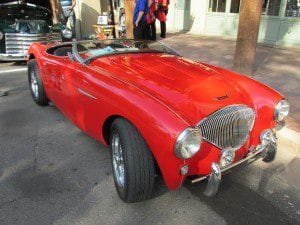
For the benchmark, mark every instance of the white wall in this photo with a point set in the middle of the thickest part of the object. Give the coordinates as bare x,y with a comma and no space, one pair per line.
198,12
197,15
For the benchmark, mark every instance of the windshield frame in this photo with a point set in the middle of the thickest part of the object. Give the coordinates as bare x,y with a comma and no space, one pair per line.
88,60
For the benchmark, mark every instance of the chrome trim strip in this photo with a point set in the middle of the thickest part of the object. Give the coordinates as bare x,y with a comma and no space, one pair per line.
86,94
31,35
250,155
18,44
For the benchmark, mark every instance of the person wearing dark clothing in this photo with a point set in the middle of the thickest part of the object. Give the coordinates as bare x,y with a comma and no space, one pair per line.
141,30
163,6
68,14
151,17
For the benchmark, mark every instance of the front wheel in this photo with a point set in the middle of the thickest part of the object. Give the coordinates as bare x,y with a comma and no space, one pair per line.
36,84
132,162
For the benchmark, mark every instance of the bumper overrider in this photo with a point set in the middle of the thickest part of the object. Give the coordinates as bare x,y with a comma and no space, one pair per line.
266,150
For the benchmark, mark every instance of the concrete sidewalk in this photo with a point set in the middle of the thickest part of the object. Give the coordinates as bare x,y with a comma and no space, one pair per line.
278,68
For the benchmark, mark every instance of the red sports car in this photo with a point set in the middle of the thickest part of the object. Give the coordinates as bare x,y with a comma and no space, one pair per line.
159,113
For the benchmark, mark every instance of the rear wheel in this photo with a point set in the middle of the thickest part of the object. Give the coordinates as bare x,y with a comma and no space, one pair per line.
36,84
132,162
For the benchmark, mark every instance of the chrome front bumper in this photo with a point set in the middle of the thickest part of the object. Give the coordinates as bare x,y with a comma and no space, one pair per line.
17,44
267,152
12,57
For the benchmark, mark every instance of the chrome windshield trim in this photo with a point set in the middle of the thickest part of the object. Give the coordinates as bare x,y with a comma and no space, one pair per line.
86,94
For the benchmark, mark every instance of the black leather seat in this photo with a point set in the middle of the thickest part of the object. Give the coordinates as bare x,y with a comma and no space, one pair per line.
62,51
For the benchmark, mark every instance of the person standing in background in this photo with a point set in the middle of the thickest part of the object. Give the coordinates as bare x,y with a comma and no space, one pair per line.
162,7
141,30
121,27
68,14
151,18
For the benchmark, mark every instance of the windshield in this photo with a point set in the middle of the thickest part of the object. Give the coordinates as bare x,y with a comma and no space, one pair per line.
90,50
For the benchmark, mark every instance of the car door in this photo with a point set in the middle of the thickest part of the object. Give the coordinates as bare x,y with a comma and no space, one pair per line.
70,80
55,71
83,96
52,77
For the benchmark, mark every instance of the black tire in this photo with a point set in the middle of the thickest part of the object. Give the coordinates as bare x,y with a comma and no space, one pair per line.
139,169
40,98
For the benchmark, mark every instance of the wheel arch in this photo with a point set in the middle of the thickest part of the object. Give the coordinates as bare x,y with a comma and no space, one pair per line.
107,125
106,134
31,56
156,123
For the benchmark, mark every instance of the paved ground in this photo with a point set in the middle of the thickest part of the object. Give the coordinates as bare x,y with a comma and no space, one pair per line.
52,173
276,67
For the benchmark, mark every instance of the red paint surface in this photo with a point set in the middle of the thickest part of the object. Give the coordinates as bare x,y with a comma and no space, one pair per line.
160,94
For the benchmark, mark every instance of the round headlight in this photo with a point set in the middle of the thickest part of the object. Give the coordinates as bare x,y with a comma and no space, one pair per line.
1,35
67,33
281,110
188,143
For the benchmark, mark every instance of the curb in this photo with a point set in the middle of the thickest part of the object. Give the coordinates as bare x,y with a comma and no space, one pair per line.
289,139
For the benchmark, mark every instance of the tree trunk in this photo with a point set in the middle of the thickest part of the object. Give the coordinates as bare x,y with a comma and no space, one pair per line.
129,9
249,20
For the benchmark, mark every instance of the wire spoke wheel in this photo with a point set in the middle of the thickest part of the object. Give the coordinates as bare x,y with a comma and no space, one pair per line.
118,160
34,84
132,162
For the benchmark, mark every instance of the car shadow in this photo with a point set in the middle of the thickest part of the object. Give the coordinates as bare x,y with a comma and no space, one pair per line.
159,188
20,63
239,204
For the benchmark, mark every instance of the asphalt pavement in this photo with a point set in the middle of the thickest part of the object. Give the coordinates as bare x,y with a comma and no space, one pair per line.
52,173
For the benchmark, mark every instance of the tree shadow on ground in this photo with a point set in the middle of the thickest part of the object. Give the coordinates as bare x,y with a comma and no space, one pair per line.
238,204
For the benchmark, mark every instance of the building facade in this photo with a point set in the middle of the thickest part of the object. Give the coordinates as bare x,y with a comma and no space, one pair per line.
87,12
280,20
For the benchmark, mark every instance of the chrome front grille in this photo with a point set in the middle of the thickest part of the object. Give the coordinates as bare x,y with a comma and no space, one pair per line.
228,127
18,44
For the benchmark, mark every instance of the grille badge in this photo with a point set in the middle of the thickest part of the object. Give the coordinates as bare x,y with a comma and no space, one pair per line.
222,97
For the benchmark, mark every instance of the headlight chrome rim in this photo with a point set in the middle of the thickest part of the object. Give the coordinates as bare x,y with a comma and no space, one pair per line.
281,110
179,150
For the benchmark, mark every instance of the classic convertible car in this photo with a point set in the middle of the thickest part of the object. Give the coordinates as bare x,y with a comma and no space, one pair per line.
159,113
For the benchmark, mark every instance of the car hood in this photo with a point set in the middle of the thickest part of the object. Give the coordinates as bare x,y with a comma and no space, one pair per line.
192,90
10,11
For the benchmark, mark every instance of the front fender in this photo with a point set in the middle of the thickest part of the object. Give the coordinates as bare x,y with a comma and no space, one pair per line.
158,125
263,98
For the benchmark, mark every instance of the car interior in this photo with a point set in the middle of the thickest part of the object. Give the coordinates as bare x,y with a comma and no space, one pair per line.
63,50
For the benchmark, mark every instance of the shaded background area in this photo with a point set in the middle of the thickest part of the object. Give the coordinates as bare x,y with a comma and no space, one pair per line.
280,22
45,3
